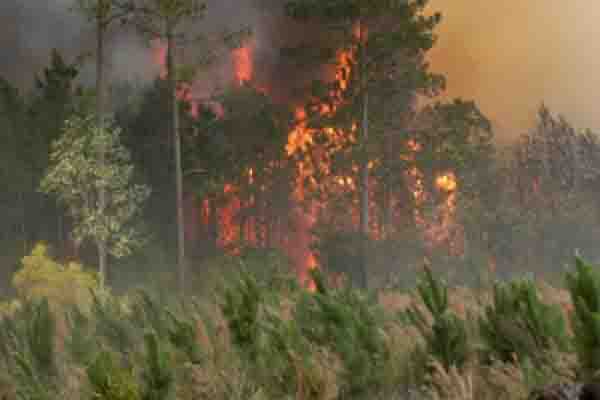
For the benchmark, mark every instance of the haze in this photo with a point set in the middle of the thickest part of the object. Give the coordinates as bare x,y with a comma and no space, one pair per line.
511,56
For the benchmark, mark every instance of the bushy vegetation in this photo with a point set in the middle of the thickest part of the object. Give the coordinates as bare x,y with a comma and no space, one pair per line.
265,337
43,277
518,323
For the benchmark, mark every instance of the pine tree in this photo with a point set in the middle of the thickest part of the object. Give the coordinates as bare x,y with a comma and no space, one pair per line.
164,20
379,36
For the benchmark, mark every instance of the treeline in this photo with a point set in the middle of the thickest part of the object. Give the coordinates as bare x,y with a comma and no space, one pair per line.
387,173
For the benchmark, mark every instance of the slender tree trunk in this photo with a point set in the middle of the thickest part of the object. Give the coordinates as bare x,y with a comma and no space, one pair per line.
388,193
100,90
213,225
181,260
24,223
364,198
364,166
387,208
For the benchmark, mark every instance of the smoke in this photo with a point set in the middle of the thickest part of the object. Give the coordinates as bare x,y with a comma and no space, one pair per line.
512,56
508,56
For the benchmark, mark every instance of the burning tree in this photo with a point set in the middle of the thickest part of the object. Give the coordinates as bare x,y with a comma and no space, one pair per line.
372,43
165,21
249,178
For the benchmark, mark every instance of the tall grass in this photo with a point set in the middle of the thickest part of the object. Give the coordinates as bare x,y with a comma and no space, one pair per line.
264,337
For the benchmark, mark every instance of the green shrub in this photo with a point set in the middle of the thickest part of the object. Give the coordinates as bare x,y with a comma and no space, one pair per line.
445,334
182,334
157,375
109,380
348,323
27,341
42,277
584,287
518,324
241,303
81,341
113,326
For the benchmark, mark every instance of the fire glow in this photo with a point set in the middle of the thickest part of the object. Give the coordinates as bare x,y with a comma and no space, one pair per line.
232,229
243,65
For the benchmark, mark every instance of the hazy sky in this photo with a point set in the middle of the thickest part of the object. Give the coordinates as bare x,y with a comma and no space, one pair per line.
508,55
512,55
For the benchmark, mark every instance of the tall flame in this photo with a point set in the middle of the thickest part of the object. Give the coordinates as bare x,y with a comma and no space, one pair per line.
300,141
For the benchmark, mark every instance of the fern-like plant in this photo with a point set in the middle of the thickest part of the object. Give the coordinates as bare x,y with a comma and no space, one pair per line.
241,304
584,287
182,334
109,380
446,338
80,342
112,324
158,376
348,323
28,344
518,325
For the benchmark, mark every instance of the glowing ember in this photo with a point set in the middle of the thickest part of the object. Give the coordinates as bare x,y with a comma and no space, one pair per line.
243,65
446,182
440,228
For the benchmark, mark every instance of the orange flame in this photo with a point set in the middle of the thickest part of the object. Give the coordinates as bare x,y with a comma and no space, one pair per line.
243,65
442,228
299,141
447,182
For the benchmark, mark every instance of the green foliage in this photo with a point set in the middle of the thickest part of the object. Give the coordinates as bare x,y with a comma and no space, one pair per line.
182,334
518,324
445,337
349,323
42,277
148,311
110,381
240,307
84,161
40,333
158,375
80,342
584,287
113,325
27,344
9,308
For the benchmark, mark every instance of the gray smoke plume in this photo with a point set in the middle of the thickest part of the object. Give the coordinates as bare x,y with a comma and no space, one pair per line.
508,56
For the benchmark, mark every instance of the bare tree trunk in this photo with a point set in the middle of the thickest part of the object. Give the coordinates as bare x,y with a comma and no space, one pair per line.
387,209
213,225
181,260
364,166
100,90
364,198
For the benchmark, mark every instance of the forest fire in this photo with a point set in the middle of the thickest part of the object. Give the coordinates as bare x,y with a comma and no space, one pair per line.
441,228
234,228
